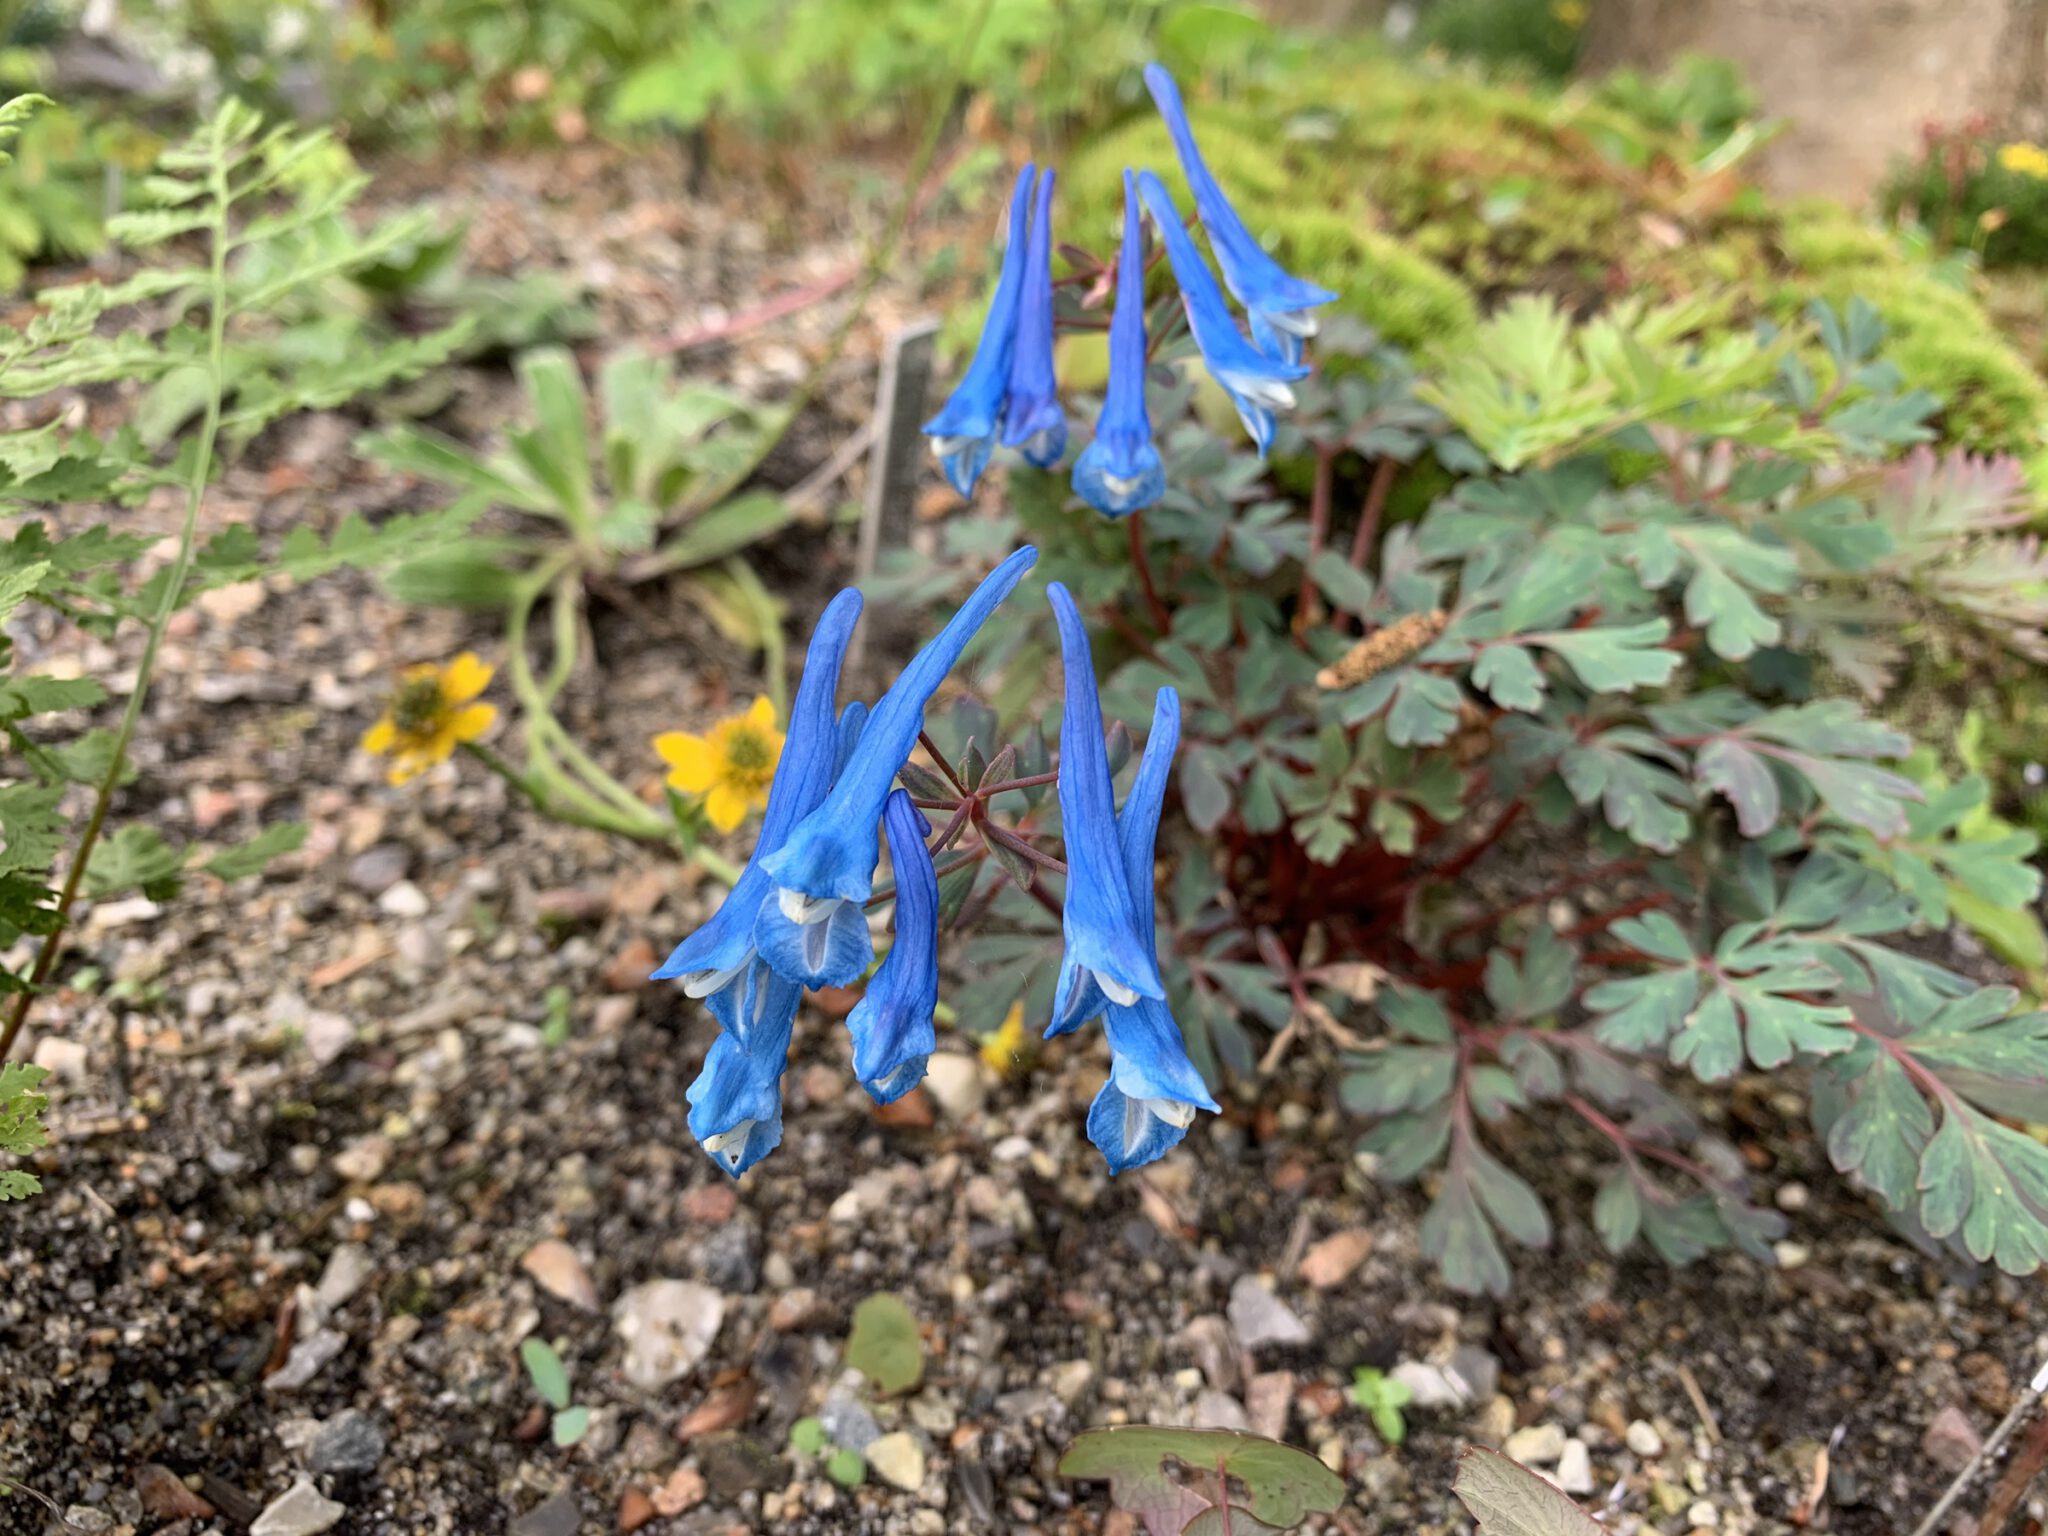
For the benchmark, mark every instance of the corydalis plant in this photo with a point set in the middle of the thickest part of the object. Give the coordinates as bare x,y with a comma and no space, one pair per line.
797,915
1658,546
1009,391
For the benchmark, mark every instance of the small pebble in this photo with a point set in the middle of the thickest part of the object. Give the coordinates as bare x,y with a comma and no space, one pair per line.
1643,1439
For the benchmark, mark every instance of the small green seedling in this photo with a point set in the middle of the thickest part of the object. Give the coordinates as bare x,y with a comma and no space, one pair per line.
846,1467
551,1381
1384,1398
1204,1482
21,1125
884,1345
554,1029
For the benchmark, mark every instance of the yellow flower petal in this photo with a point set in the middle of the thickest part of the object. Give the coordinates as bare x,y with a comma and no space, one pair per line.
693,762
761,714
405,770
381,737
726,807
464,678
472,721
420,669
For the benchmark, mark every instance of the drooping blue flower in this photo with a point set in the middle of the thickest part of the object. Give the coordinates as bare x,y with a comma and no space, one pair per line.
1153,1091
1103,943
892,1024
964,432
825,869
1034,422
1256,383
1120,471
717,955
736,1101
1278,302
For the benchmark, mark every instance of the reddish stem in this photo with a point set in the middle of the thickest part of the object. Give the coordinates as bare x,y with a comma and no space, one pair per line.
1162,620
1318,534
924,740
1631,1148
1375,508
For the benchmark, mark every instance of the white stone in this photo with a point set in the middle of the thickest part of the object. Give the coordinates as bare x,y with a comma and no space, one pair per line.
1575,1468
347,1268
1644,1440
300,1511
898,1460
64,1059
667,1327
405,900
1537,1445
956,1085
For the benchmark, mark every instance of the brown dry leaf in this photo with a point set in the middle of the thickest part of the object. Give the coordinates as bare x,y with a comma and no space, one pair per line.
1336,1258
727,1408
557,1270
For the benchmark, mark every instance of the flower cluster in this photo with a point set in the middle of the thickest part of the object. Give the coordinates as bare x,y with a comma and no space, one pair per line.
1009,391
796,918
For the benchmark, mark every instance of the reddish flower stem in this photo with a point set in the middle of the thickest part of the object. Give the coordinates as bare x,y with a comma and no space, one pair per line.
1162,620
1375,508
1305,606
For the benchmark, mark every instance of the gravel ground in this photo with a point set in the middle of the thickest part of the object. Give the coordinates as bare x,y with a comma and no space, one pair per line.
317,1171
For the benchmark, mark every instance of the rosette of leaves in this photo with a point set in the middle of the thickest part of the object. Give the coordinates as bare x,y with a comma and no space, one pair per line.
1622,590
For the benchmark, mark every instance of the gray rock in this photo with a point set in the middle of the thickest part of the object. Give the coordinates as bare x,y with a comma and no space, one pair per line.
375,870
1477,1369
351,1441
347,1268
1207,1340
1219,1410
559,1515
308,1356
1259,1318
299,1511
1951,1440
730,1257
1268,1397
83,1517
847,1421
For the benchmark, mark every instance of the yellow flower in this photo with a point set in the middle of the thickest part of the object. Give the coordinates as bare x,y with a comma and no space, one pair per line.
731,765
1572,13
1004,1051
2025,160
431,714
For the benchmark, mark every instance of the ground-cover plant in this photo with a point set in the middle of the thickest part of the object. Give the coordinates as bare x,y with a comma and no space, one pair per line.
648,492
242,222
1970,187
1559,778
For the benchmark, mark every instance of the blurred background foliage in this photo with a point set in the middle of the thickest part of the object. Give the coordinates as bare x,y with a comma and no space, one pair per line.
1428,159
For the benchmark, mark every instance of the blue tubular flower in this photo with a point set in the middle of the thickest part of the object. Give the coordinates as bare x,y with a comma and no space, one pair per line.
1103,942
825,868
1120,471
1277,301
1257,384
892,1025
1153,1091
1034,421
714,957
964,432
736,1102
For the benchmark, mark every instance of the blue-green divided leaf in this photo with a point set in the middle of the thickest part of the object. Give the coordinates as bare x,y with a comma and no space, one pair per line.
1403,1145
1642,1013
1398,1077
1507,674
1617,658
1282,1486
1618,1212
1988,1185
1880,1135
